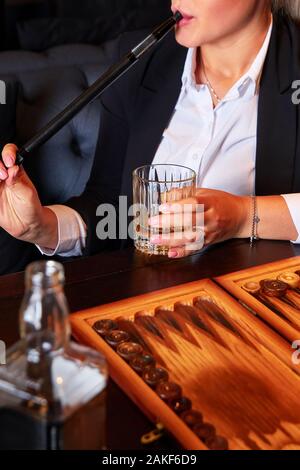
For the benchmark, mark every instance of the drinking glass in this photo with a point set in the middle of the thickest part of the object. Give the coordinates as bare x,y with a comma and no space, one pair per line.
154,185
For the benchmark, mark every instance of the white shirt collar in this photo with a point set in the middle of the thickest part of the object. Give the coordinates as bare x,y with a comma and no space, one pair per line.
252,76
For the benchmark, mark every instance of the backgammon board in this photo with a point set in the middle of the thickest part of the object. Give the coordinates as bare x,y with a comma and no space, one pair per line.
194,359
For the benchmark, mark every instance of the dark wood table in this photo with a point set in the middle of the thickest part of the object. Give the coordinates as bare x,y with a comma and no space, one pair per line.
113,276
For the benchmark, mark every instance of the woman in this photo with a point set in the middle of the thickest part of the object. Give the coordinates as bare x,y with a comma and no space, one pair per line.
221,104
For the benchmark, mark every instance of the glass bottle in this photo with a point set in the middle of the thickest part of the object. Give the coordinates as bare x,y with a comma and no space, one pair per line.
52,391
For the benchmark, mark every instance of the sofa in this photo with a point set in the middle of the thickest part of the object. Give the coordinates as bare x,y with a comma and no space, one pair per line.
40,24
41,85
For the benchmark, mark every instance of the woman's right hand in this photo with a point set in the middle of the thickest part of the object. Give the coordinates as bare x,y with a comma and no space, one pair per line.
21,212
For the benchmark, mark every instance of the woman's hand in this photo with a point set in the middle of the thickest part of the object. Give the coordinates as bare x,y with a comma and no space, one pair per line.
214,215
21,212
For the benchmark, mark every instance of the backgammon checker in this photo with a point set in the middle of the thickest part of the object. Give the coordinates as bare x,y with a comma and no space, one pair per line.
215,375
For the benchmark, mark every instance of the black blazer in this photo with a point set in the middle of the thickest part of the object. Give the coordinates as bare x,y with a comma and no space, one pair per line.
138,108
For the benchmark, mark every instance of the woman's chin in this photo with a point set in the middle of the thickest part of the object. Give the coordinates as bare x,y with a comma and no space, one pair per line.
186,39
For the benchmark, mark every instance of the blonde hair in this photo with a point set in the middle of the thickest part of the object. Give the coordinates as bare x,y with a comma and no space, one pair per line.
291,7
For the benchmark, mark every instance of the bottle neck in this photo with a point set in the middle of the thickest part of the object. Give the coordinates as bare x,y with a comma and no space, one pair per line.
44,323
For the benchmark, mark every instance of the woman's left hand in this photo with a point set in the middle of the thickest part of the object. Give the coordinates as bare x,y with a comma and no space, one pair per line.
214,215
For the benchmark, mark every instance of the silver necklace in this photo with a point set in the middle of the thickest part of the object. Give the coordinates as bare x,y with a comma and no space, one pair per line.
211,88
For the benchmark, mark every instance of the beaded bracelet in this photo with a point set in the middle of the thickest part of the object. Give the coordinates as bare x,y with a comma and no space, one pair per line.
255,222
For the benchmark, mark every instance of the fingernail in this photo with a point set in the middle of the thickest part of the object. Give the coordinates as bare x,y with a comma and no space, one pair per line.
165,208
155,239
10,161
3,174
173,254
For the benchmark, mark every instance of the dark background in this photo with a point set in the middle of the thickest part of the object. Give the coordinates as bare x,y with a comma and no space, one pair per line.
40,24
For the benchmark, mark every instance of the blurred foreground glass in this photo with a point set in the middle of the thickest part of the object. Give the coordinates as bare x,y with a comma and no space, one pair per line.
52,391
154,185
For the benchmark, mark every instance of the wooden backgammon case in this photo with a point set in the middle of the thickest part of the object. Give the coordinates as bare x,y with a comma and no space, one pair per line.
222,377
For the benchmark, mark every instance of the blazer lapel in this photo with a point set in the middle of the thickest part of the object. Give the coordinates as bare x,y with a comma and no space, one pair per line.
157,97
277,115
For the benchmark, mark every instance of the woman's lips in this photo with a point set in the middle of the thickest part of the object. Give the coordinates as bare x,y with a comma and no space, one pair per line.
186,19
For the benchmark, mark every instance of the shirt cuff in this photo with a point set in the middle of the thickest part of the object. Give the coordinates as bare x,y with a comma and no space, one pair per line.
72,233
293,203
